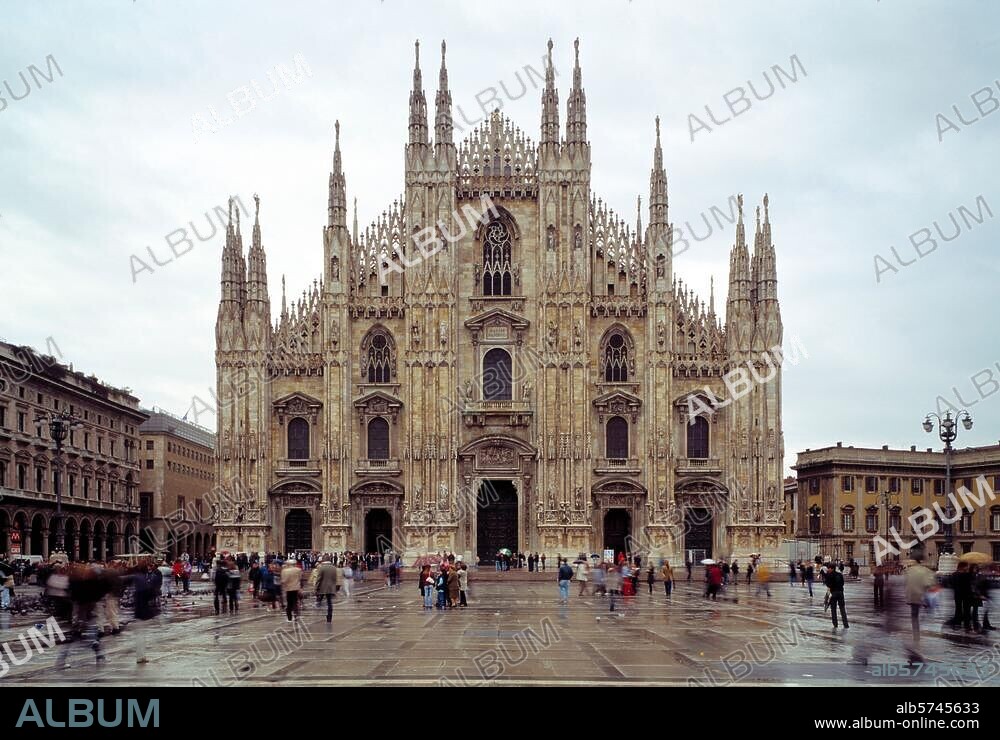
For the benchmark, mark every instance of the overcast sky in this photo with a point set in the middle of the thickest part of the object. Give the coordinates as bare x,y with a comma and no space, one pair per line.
105,161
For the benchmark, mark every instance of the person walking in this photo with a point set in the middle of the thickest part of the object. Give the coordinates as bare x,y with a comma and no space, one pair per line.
667,576
582,575
427,586
735,568
810,576
713,581
453,587
221,581
687,564
564,576
791,573
291,584
326,585
463,584
763,579
233,586
878,586
147,588
750,573
614,584
543,562
441,586
917,579
345,578
835,582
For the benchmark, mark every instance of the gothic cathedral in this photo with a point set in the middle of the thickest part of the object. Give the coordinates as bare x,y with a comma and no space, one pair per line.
523,379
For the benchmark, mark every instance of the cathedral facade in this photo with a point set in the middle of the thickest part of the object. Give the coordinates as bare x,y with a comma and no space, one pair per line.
523,379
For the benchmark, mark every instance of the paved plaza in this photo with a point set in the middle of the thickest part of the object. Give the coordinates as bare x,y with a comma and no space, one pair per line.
515,632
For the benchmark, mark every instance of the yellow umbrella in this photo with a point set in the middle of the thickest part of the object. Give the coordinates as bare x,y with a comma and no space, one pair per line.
974,557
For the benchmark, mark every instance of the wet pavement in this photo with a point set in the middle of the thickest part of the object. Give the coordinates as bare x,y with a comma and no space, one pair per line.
516,632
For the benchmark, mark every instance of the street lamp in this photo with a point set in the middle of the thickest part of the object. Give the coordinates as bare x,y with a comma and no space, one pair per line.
948,431
887,498
60,425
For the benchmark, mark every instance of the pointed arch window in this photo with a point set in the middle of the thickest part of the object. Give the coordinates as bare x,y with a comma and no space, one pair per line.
378,439
697,438
616,438
616,359
497,259
378,357
298,439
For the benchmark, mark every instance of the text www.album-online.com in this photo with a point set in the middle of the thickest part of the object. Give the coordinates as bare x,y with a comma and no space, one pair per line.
920,723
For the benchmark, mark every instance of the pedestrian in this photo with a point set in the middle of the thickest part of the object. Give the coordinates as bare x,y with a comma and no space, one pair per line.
599,576
233,586
614,585
878,585
835,582
713,581
86,589
791,573
427,586
667,576
917,579
564,575
326,585
441,585
735,568
543,562
725,573
147,587
463,583
687,564
453,586
531,562
291,584
221,581
750,574
650,578
582,576
345,577
810,575
254,576
763,579
186,575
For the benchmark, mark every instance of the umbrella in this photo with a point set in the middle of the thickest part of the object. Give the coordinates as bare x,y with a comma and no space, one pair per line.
708,561
505,551
974,557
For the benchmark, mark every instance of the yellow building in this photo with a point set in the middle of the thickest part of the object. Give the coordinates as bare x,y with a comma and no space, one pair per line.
847,495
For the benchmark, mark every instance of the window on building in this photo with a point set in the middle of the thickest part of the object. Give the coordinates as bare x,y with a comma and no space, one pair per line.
20,392
100,445
3,473
3,417
146,505
378,439
615,359
112,448
846,483
697,438
72,485
996,483
86,441
86,487
378,356
39,398
20,421
149,464
497,376
497,260
56,481
938,486
616,438
896,518
917,485
22,477
849,551
847,519
995,519
871,519
814,514
39,479
111,491
966,523
871,483
181,500
814,485
966,547
893,484
100,490
298,439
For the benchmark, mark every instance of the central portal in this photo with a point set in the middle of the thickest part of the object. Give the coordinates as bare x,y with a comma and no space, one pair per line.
496,519
298,530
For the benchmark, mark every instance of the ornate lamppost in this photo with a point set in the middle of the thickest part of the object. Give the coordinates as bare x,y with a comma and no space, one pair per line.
948,431
60,425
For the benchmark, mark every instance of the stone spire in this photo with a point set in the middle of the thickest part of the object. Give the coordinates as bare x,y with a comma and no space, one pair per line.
550,106
576,105
257,311
354,226
418,104
337,202
442,119
768,311
739,311
658,201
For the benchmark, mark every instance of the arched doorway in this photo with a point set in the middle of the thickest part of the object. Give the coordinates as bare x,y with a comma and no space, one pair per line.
298,530
85,551
113,546
98,540
617,530
37,537
69,538
697,533
496,519
378,531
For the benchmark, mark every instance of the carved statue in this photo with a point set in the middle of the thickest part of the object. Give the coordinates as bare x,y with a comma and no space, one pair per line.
661,332
415,331
552,497
553,334
418,496
470,388
551,238
526,390
578,238
578,334
443,331
516,269
335,268
578,498
443,495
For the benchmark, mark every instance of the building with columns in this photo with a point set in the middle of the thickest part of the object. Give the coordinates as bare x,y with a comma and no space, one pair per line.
524,382
96,471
